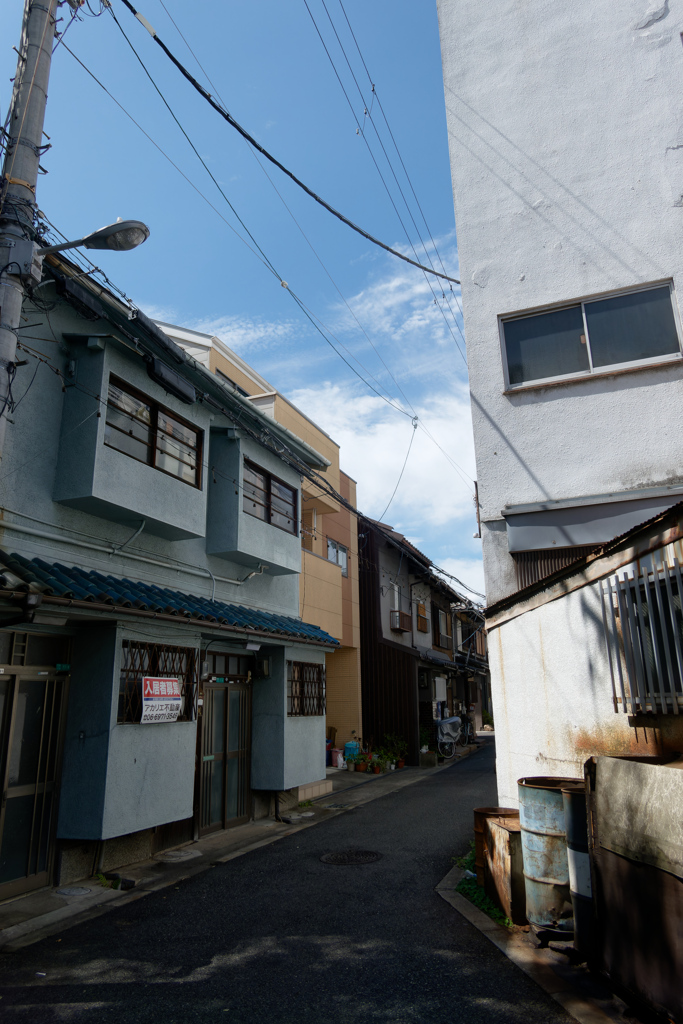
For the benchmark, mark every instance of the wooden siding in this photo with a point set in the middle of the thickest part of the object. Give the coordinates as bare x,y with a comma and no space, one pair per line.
388,671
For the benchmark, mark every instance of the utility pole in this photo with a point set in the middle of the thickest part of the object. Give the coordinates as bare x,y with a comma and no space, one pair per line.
18,260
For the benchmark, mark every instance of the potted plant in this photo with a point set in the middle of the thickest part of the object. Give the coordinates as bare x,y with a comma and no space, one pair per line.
361,761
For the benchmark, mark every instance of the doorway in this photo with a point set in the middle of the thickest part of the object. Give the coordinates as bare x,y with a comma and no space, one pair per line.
33,683
225,743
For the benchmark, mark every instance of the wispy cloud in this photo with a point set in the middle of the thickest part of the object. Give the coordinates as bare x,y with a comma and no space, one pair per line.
424,374
433,505
246,334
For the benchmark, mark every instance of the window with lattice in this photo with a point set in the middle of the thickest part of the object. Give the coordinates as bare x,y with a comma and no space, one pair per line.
305,689
139,659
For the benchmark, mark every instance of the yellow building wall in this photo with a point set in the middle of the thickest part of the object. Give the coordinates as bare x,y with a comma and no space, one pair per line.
320,594
217,361
312,496
344,694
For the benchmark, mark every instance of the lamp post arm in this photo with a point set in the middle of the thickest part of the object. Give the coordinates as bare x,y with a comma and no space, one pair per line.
59,248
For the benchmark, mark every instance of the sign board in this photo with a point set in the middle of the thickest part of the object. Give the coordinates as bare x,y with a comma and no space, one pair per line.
161,699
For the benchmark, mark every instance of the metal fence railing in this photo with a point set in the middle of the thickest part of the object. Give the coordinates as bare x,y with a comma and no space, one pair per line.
643,627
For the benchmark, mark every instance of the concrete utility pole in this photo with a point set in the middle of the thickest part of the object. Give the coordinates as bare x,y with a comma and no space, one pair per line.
18,187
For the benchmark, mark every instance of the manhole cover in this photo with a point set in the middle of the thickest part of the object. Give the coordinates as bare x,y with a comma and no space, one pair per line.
342,857
171,856
76,890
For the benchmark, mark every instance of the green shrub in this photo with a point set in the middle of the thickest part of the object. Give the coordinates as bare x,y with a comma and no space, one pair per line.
468,888
487,717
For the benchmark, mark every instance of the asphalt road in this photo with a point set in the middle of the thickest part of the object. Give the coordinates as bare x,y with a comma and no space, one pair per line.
278,936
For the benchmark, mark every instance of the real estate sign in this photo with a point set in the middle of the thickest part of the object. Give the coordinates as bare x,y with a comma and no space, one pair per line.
161,699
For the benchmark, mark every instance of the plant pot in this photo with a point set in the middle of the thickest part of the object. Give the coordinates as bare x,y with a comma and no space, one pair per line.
376,768
362,766
400,763
350,766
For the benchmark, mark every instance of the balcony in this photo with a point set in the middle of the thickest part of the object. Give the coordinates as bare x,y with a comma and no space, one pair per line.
400,622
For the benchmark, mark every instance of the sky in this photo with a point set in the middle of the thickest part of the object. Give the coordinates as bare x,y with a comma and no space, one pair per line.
299,77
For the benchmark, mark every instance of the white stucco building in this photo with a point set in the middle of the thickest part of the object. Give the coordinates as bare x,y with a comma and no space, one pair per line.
566,145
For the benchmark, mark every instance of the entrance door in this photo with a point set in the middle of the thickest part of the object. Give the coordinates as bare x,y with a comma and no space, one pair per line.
225,748
30,712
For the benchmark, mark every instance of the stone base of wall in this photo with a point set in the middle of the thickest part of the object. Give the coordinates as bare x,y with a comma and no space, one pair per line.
314,789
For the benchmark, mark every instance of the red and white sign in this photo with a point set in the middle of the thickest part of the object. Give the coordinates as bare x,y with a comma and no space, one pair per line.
161,699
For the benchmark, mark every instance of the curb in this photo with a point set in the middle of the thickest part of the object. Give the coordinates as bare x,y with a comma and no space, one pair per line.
516,948
33,930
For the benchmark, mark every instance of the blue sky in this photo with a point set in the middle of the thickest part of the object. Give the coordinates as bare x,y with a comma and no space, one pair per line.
267,63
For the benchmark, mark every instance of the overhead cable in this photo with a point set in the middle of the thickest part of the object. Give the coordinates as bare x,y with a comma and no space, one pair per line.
269,156
360,130
263,259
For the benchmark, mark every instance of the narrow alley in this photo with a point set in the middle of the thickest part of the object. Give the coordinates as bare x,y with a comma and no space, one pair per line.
278,935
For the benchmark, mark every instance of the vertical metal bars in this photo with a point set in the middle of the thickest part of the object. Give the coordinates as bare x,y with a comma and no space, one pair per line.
642,618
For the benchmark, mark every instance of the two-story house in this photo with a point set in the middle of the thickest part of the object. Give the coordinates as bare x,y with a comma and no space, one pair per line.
328,585
423,648
157,682
566,159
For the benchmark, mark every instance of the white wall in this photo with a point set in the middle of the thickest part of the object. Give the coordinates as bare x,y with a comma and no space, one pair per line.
552,693
566,143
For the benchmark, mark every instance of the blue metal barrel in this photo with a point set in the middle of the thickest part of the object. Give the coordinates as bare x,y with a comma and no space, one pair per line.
544,851
576,825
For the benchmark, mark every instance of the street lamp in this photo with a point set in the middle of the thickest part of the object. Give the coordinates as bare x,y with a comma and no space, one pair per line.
120,236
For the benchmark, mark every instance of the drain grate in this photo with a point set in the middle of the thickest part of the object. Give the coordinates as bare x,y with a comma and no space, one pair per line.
342,857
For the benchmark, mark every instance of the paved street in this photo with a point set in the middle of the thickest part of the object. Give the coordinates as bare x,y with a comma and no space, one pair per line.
276,935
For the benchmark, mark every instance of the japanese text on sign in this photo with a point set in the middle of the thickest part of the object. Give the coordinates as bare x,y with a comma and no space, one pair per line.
161,699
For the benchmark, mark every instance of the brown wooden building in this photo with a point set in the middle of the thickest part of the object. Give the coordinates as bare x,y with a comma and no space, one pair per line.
421,642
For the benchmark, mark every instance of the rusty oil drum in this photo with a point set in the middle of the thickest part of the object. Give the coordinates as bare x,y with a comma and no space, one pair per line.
480,816
544,851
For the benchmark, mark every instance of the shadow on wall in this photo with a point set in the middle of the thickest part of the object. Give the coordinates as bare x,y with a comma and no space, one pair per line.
582,220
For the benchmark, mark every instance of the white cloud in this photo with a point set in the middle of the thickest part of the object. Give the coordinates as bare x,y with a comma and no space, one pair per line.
433,505
469,570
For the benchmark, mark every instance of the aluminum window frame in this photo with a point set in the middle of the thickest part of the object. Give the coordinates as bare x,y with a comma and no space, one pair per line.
335,561
602,371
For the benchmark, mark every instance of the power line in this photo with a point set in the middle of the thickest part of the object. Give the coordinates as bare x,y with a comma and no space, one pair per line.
374,160
301,230
458,469
398,152
318,326
263,259
400,476
252,141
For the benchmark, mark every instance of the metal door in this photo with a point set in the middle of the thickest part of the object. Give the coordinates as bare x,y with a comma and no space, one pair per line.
31,703
225,753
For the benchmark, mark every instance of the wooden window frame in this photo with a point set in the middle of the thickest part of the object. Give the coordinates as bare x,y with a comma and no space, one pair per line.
437,635
270,478
153,450
422,620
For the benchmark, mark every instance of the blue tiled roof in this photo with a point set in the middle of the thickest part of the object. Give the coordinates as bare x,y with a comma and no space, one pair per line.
77,584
